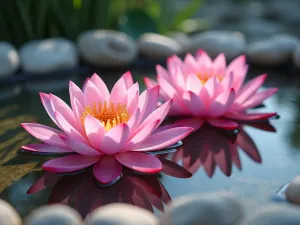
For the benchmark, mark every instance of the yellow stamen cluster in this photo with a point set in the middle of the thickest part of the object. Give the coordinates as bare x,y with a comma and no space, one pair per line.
109,114
204,77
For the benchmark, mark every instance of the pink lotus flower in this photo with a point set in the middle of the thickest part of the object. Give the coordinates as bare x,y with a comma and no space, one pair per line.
105,129
207,90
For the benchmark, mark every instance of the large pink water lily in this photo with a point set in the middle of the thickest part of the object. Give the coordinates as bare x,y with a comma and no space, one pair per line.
208,90
105,129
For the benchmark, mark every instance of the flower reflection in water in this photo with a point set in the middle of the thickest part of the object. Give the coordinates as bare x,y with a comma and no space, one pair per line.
210,147
84,193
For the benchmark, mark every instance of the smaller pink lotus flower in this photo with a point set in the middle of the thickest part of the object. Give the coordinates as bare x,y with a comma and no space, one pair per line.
207,90
105,129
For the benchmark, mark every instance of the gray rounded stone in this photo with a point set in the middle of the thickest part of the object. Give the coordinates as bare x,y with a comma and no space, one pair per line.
274,215
9,59
220,208
121,214
182,39
54,214
293,191
8,215
42,56
158,46
107,48
232,44
296,56
273,51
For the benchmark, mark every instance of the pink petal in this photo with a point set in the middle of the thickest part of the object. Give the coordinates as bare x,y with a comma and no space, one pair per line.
149,82
204,96
113,141
133,121
178,78
94,130
45,134
152,101
167,87
164,139
250,116
250,88
222,103
158,115
193,103
68,128
82,148
193,84
203,58
119,91
227,124
45,99
212,87
239,69
163,73
133,98
173,62
60,106
107,169
258,98
194,123
69,163
128,79
75,92
227,82
45,148
92,95
220,61
101,86
141,134
140,162
191,63
78,111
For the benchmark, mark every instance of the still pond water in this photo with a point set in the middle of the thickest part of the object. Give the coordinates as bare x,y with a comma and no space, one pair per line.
254,165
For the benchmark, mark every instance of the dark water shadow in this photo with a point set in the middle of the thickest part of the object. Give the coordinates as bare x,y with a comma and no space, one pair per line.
210,147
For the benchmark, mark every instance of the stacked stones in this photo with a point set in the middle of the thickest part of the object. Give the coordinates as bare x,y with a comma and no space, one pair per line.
219,208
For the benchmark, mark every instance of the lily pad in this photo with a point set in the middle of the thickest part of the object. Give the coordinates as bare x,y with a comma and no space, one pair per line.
136,22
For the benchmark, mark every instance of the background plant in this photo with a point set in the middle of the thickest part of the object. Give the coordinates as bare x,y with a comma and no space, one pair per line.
24,20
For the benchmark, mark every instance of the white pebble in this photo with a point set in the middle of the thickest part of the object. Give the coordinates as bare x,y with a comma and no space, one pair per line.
158,46
54,214
107,48
232,44
293,190
121,214
220,208
9,59
273,215
8,215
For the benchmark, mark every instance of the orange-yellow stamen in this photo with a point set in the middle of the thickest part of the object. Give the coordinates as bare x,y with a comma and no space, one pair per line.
110,115
204,77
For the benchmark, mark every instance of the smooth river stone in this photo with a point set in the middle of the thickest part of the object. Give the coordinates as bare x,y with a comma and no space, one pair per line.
54,214
107,48
49,55
232,44
9,59
293,191
296,56
273,51
8,215
158,46
220,208
273,215
121,214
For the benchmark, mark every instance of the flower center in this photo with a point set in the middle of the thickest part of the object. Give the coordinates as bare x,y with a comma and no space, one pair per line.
204,77
109,114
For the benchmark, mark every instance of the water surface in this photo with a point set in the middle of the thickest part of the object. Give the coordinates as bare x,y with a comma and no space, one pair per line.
255,171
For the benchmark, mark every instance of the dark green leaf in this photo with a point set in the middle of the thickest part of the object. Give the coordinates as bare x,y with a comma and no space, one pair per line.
136,22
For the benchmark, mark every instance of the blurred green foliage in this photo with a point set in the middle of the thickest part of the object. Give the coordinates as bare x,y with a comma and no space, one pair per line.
24,20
